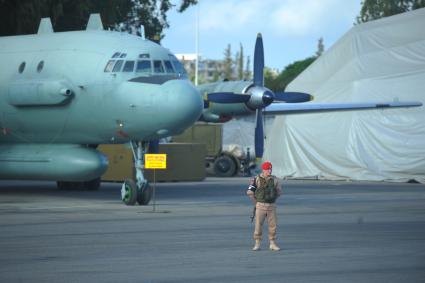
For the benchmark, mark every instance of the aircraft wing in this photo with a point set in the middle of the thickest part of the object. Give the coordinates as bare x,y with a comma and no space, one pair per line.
310,107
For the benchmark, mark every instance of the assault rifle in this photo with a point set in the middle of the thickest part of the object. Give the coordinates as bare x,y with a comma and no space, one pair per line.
253,214
252,188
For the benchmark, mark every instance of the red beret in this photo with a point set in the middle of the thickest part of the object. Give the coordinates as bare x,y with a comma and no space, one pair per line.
266,165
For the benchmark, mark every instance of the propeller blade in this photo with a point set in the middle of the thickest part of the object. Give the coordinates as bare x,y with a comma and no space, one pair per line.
228,97
259,135
259,61
293,97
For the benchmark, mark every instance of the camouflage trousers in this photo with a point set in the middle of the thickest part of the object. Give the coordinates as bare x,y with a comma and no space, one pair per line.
263,211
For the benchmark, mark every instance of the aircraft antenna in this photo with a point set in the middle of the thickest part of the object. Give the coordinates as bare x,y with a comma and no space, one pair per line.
142,31
45,26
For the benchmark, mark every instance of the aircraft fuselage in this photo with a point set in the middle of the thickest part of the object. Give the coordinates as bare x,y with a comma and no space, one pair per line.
72,87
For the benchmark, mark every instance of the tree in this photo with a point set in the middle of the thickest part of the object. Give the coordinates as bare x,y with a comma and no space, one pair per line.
376,9
240,63
288,74
228,63
320,47
247,73
23,16
270,78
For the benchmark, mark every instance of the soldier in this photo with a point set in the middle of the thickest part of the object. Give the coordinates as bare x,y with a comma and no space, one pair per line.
264,189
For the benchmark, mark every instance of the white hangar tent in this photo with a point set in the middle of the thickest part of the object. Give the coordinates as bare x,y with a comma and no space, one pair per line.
380,60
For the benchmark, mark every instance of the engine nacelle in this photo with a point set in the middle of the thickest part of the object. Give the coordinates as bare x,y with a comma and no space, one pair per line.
65,162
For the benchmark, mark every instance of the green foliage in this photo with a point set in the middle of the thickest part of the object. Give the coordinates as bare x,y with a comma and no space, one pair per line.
185,4
228,63
290,72
240,63
234,68
247,74
376,9
23,16
270,78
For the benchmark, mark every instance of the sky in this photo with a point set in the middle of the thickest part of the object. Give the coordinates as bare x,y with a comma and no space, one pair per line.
290,28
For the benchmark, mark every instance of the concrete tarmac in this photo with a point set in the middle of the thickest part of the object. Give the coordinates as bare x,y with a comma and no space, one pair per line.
201,232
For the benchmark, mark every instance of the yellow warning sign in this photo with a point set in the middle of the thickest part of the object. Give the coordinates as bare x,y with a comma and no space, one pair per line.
155,161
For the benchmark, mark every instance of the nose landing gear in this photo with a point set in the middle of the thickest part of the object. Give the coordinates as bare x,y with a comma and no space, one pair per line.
139,191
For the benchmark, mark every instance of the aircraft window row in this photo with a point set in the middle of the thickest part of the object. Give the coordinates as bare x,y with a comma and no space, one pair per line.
128,66
117,66
168,67
177,65
23,64
109,66
145,66
157,66
119,55
123,55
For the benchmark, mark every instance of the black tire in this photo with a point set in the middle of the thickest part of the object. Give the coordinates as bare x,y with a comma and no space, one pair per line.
129,192
63,185
92,185
60,185
224,166
144,196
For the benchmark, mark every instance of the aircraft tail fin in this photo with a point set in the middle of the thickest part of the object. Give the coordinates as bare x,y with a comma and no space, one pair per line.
45,26
95,22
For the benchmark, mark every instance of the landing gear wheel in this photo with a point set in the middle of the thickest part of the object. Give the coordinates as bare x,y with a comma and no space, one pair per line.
62,185
92,185
129,192
224,166
144,195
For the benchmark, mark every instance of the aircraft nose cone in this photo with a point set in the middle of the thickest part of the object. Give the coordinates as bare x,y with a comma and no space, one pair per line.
268,97
184,105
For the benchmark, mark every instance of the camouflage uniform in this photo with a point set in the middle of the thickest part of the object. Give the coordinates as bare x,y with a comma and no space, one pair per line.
264,209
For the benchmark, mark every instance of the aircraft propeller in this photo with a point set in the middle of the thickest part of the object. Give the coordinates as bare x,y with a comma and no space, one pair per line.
258,97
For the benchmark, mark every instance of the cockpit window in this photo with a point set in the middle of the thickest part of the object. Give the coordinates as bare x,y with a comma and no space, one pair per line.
177,65
143,66
144,55
118,66
157,66
109,66
168,67
128,66
123,55
116,55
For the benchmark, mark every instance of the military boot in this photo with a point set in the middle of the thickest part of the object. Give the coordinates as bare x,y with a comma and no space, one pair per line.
257,245
274,246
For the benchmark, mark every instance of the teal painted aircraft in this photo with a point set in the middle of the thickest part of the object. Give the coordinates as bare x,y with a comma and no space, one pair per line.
224,100
64,93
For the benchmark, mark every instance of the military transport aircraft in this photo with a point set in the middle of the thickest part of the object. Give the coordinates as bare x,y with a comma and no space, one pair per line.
224,100
63,93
